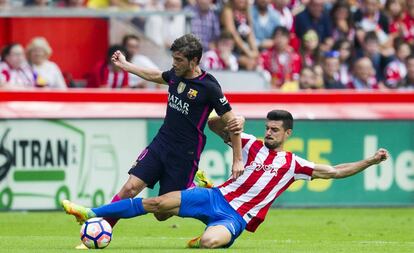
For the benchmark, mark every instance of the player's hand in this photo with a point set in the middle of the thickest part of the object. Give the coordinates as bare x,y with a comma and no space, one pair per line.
119,59
380,156
236,125
237,169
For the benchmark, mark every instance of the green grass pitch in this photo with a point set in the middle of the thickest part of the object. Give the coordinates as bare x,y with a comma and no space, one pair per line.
345,230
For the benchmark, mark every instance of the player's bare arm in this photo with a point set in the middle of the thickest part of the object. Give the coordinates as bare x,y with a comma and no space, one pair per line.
235,138
348,169
152,75
220,128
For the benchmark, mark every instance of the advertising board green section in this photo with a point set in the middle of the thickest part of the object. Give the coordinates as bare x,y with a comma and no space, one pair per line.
85,160
332,142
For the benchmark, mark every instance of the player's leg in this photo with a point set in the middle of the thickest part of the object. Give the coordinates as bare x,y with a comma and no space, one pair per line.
167,204
145,172
223,227
127,208
215,237
178,175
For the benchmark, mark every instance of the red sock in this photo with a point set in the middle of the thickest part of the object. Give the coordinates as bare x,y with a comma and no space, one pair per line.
113,221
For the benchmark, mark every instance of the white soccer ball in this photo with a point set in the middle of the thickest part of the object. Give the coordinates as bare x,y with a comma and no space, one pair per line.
96,233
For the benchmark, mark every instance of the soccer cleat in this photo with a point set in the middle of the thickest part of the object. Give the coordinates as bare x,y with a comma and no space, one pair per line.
81,213
81,246
194,243
202,180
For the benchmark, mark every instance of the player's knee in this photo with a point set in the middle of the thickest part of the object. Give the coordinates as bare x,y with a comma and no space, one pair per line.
156,205
210,242
128,191
161,216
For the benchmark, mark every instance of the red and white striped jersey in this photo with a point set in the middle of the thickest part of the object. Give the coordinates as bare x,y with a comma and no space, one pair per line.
266,175
395,71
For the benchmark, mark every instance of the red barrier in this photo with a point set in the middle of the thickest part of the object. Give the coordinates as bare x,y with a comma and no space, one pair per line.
141,96
144,104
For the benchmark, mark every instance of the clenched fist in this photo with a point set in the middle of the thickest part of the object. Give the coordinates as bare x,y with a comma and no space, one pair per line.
380,155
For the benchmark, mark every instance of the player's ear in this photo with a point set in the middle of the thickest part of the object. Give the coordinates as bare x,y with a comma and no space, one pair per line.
193,62
288,133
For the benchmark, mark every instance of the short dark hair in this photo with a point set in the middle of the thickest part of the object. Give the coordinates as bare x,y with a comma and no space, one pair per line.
282,115
112,49
371,36
129,37
398,42
282,30
189,45
7,50
226,35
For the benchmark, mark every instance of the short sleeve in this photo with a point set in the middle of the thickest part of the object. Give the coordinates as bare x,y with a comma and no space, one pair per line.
219,102
167,75
303,168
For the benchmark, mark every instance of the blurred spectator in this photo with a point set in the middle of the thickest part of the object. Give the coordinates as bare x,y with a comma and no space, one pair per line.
205,23
163,30
344,47
131,44
331,78
372,50
100,4
396,70
343,27
408,81
47,73
394,9
221,58
236,19
308,80
404,28
363,75
71,3
265,20
314,17
309,50
285,14
281,61
37,3
106,75
4,4
369,18
14,70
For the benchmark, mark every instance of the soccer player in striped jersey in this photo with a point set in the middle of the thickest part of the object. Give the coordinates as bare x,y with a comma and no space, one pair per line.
240,203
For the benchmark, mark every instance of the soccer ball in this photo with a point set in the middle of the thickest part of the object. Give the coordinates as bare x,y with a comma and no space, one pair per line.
96,233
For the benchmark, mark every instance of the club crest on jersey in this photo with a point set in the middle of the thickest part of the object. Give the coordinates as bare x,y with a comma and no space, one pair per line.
269,167
192,94
180,87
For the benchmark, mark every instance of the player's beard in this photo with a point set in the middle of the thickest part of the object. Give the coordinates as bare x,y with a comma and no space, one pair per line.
182,72
273,145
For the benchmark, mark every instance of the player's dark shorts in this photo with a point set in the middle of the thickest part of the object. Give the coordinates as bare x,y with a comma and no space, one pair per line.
157,164
210,207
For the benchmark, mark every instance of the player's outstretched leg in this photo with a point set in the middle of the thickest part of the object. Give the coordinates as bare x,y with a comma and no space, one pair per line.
81,213
213,237
127,208
130,189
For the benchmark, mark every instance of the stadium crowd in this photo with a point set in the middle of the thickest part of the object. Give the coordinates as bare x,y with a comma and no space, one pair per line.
299,44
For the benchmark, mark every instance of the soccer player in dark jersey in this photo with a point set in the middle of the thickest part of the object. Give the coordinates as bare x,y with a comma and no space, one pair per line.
173,155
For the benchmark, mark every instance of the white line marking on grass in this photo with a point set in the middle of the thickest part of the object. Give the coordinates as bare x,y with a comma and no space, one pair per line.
383,242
